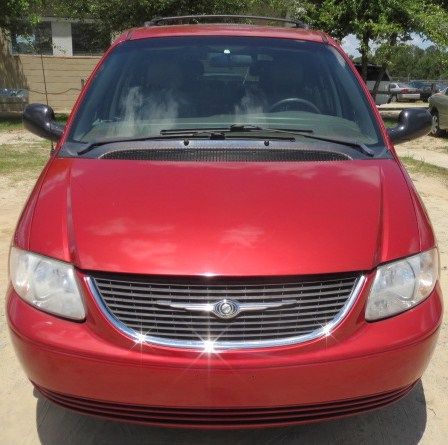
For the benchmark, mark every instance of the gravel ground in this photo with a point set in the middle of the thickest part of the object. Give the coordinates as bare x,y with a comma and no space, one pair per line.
421,417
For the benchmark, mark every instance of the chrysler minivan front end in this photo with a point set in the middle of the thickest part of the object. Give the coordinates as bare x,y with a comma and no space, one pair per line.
224,237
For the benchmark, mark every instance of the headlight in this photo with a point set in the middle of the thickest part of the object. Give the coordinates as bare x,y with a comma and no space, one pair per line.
401,285
47,284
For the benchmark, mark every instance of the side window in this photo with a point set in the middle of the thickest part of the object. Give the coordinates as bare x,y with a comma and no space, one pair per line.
38,42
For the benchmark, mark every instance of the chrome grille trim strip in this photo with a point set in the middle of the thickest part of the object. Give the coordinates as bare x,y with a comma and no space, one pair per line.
218,346
199,290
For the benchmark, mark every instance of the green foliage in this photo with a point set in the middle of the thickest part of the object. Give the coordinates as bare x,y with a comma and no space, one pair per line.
409,61
115,15
379,19
19,15
385,22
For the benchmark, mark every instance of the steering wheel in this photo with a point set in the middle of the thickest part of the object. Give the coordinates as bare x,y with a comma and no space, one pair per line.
294,100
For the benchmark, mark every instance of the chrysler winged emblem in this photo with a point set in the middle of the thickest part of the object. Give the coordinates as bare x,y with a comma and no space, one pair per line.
225,309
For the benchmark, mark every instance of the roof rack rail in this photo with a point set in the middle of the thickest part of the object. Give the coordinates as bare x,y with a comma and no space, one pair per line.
156,21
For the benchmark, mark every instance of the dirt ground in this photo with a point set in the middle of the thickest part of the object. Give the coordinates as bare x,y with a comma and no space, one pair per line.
421,417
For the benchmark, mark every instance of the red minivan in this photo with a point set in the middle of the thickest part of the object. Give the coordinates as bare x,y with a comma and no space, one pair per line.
224,236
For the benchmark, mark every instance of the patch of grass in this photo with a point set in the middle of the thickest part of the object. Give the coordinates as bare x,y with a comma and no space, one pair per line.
416,166
389,122
10,123
61,118
23,159
445,142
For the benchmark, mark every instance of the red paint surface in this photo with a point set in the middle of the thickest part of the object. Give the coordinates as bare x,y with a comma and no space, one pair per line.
224,218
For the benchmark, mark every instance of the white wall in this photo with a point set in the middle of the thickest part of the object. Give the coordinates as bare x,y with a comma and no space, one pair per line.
62,38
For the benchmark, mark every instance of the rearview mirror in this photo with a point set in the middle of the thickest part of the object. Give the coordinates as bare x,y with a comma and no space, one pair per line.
230,61
412,123
40,120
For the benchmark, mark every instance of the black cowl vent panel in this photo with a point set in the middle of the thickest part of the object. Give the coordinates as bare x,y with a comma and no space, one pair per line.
225,155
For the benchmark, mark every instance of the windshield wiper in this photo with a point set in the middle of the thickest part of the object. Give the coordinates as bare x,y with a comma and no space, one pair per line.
306,134
249,128
214,133
223,132
356,145
91,145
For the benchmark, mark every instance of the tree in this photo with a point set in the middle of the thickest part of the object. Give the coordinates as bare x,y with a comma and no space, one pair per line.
402,61
385,22
115,16
19,15
409,61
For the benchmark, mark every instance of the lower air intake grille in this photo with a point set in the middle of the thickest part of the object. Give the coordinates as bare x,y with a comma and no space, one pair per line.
225,155
198,417
231,312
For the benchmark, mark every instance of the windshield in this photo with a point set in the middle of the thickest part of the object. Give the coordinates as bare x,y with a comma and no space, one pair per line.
155,84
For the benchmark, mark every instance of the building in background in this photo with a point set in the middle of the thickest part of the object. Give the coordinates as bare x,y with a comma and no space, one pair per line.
49,65
61,37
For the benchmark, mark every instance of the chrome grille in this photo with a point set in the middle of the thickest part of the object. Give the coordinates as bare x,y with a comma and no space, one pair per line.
139,305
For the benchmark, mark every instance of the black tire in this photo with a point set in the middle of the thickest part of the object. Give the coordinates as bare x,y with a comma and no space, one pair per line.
435,127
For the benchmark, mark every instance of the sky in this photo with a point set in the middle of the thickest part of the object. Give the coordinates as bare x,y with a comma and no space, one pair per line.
350,44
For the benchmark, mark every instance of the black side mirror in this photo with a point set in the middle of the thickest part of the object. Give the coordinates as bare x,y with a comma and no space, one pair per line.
40,120
412,123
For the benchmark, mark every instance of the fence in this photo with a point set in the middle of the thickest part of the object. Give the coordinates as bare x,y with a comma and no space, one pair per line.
63,78
58,78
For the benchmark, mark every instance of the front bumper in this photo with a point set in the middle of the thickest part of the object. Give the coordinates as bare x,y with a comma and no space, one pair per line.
360,366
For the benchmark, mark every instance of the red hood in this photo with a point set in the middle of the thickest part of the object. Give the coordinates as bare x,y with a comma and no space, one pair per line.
224,218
